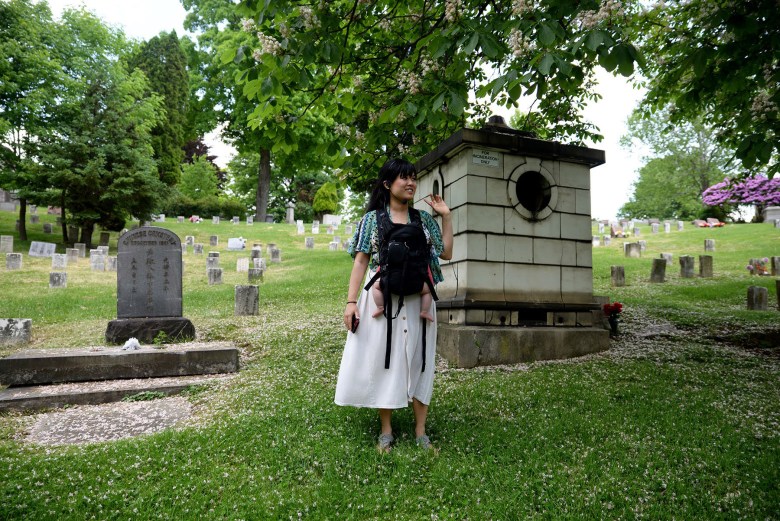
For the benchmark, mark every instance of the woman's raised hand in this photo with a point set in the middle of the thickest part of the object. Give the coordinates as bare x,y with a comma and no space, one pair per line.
436,202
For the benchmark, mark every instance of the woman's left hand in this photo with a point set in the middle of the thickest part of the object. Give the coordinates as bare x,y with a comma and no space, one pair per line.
436,202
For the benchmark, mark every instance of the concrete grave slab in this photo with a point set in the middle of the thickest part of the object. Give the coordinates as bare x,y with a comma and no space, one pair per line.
31,397
38,367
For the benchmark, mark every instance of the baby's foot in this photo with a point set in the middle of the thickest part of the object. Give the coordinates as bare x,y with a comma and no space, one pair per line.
379,311
426,314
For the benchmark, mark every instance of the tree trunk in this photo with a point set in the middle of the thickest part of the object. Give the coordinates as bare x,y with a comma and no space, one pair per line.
22,219
263,185
759,215
65,239
86,234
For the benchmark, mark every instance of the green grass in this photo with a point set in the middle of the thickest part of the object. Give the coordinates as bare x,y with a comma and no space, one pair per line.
683,423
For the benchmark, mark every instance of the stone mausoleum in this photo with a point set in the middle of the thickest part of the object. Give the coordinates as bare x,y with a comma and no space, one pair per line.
519,286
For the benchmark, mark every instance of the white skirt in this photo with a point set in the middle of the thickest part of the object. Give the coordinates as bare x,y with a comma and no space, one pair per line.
363,380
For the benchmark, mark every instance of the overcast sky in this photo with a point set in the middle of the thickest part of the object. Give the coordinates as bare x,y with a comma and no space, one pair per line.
610,183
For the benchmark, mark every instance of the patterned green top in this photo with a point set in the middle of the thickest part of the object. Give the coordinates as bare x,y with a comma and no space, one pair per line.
366,240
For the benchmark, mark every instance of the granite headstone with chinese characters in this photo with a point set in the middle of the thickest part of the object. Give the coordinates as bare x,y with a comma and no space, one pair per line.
149,288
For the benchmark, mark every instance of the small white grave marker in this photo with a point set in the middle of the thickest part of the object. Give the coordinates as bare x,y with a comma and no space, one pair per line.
236,244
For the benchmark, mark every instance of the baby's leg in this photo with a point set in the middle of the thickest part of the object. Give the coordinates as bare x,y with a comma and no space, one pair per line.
379,300
426,299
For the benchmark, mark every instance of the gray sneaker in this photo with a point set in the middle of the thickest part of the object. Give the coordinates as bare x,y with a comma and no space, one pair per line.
385,443
424,442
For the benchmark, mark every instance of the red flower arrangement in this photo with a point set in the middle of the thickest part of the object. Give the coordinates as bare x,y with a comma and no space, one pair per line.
613,309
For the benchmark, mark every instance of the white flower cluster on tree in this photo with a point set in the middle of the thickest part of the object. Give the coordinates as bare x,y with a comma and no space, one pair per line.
519,44
521,7
611,10
762,106
428,65
310,20
268,45
248,25
409,82
451,8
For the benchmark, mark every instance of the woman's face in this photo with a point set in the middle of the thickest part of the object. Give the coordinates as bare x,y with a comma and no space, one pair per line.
403,189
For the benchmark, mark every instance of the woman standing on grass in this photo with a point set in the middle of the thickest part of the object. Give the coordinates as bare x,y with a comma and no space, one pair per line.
376,372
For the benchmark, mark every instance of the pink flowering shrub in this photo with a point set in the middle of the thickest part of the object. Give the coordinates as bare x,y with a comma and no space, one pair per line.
755,190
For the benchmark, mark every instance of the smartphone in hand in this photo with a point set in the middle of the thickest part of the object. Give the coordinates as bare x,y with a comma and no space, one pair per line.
355,323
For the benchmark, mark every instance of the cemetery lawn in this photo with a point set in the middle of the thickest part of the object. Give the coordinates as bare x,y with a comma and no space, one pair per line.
679,419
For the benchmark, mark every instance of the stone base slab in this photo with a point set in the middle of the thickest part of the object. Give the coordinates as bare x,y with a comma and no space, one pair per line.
472,346
46,367
92,393
146,330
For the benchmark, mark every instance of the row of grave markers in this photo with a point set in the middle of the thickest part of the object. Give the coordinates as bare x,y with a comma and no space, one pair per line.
655,227
687,268
19,330
47,249
315,228
757,296
635,249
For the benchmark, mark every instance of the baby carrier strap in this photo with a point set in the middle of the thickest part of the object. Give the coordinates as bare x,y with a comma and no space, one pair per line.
388,265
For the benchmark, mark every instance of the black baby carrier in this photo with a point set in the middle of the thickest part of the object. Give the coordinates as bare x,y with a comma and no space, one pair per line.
404,257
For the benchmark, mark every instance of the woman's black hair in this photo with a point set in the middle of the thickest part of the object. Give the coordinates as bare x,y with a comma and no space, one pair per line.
390,171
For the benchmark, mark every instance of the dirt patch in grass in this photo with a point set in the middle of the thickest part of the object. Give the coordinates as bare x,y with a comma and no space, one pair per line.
766,341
